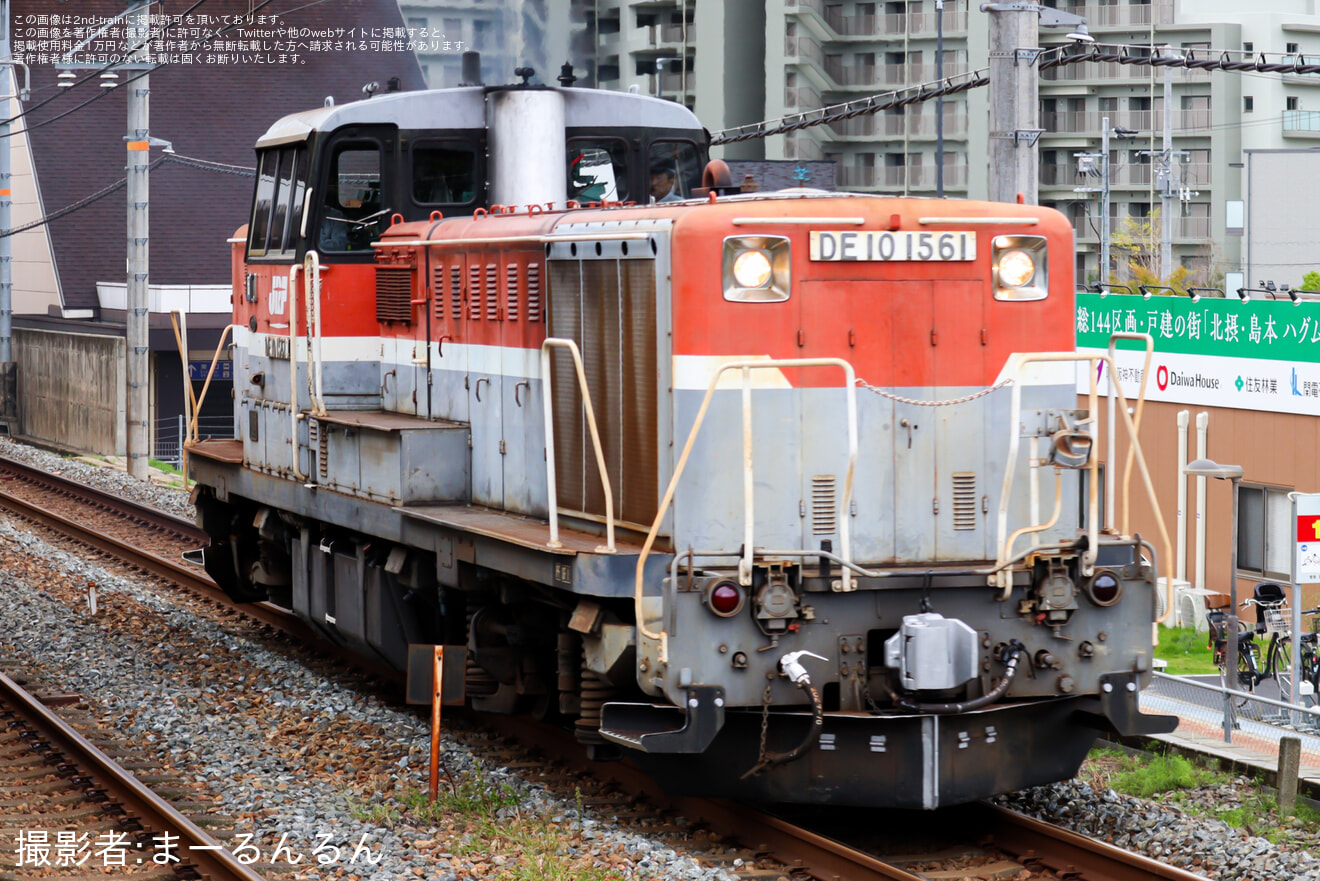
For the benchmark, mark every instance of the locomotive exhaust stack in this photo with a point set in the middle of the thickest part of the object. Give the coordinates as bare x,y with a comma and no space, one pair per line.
514,389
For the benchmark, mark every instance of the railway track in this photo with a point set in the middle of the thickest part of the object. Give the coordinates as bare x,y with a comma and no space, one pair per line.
60,787
1013,844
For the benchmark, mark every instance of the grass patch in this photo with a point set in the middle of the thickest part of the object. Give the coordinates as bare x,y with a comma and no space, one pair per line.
1241,803
163,466
1187,651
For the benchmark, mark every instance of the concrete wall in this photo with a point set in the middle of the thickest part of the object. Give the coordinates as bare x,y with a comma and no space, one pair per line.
71,390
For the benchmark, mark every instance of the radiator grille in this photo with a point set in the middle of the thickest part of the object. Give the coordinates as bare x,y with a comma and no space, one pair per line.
964,501
824,507
456,292
474,291
438,277
492,292
511,289
608,308
393,293
533,291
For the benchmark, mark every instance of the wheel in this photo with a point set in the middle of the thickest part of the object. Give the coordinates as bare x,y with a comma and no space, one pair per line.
1281,667
1248,662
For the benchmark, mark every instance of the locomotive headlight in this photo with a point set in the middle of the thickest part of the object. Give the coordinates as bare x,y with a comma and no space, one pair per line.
1020,267
751,269
757,269
1016,268
1104,587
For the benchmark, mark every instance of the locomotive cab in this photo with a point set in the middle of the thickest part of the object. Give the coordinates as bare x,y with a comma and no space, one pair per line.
334,179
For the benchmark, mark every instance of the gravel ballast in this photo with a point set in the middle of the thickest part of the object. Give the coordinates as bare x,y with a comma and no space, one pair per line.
287,750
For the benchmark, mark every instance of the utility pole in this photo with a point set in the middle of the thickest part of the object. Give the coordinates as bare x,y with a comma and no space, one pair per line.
1167,185
8,369
1015,90
1104,201
939,100
139,161
1014,101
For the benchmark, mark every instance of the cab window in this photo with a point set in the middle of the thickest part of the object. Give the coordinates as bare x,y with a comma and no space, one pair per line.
353,215
278,206
674,168
597,170
443,173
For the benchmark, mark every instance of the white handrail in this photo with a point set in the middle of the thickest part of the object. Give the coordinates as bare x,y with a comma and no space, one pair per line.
1002,577
294,414
548,401
748,550
312,292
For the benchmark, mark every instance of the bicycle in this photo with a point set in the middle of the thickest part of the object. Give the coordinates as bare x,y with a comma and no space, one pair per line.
1274,620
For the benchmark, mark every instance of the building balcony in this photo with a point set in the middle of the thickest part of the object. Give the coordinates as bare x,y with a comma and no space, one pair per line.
1301,123
857,177
1193,228
1092,121
804,49
670,35
801,98
1108,15
893,125
800,145
926,23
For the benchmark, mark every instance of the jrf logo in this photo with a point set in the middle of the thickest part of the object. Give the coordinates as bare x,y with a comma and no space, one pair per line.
279,294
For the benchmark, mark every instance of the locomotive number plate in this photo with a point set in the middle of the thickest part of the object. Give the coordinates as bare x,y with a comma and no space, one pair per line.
886,246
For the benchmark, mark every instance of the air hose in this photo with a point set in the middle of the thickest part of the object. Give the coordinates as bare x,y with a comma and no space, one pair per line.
1014,653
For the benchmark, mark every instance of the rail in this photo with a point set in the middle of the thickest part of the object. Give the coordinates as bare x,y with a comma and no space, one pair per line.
547,397
206,854
749,525
1003,577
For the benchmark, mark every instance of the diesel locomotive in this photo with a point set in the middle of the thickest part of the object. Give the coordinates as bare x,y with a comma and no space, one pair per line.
786,496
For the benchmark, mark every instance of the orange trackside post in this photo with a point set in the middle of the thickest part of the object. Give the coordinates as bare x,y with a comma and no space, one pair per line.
438,672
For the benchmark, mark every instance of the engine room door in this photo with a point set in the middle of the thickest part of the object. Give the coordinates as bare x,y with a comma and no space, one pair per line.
912,431
485,381
965,465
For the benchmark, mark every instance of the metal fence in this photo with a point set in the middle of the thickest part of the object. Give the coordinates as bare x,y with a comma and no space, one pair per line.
168,434
1252,720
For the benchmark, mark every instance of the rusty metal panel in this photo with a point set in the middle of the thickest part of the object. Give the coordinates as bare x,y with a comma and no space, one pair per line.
393,293
608,308
569,425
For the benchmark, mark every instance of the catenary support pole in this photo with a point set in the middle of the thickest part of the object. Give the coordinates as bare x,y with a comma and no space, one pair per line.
139,158
1014,100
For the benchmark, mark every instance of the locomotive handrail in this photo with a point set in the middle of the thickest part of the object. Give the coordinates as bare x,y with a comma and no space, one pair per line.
312,295
192,403
293,374
1141,401
547,398
749,550
1003,578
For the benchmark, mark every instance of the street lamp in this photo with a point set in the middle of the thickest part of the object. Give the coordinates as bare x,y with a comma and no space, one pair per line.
1210,468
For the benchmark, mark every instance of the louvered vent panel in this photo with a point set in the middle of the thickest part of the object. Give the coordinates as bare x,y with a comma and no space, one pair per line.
964,501
474,291
393,293
511,289
456,292
824,508
492,292
533,291
438,291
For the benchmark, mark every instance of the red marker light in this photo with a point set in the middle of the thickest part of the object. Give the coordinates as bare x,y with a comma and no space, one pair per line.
724,598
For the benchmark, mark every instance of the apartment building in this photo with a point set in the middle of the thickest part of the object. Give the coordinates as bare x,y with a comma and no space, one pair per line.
843,50
541,34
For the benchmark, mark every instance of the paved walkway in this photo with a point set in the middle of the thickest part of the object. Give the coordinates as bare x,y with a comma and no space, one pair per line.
1255,740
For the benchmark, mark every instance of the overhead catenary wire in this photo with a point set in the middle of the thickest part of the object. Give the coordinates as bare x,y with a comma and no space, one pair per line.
190,161
1058,56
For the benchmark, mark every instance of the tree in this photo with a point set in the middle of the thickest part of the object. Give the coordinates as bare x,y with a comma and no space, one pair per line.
1139,239
1311,281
